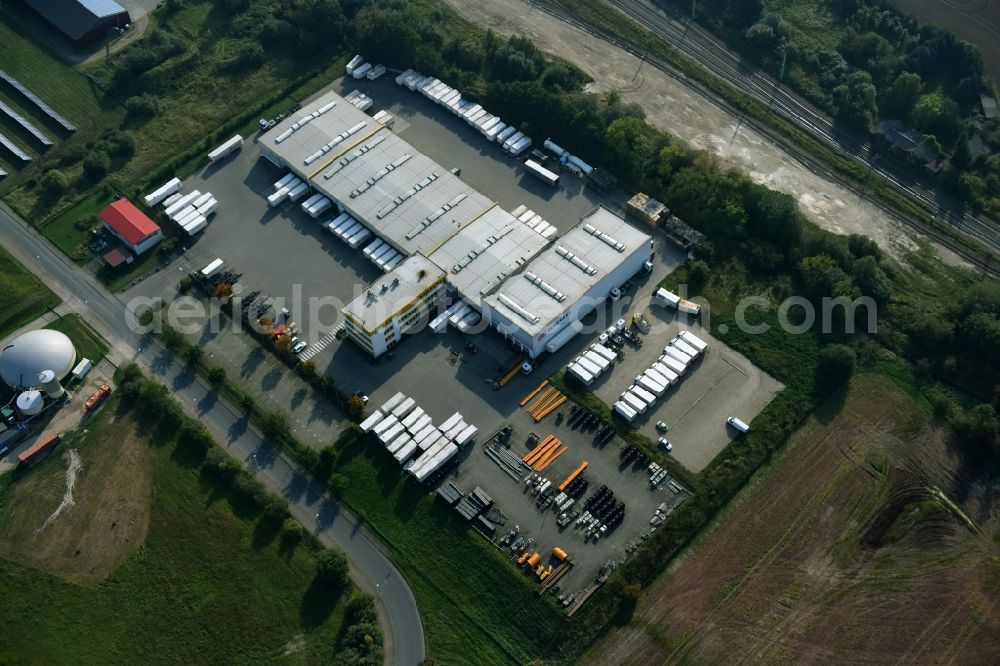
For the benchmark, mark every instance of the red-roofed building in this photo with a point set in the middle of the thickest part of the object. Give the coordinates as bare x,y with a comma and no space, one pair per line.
131,225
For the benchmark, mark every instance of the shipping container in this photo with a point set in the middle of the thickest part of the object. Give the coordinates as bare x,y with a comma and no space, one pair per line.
633,401
519,147
625,411
673,364
170,187
543,174
354,63
505,134
646,396
495,131
666,298
681,344
371,421
226,149
694,341
360,71
511,140
674,351
648,383
665,372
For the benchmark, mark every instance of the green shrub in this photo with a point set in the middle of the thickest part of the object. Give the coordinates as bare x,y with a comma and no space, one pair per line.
97,164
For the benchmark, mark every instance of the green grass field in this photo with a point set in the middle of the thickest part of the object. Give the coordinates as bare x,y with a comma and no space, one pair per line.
23,297
209,584
472,601
86,340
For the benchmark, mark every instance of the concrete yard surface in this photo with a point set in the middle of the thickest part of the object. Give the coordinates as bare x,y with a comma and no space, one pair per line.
720,384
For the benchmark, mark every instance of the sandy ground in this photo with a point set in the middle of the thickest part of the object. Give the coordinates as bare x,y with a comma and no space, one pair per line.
673,106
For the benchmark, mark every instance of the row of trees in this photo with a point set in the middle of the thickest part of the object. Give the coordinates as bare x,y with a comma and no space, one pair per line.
885,65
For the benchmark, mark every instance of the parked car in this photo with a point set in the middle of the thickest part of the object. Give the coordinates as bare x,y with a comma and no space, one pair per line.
298,346
99,396
661,426
665,445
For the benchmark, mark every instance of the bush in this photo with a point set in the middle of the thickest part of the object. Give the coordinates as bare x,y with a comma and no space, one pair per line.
221,463
331,567
194,355
97,164
356,407
698,275
185,284
143,106
54,182
836,364
216,376
292,530
122,144
247,402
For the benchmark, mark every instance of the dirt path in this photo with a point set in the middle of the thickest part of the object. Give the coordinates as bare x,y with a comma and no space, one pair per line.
673,106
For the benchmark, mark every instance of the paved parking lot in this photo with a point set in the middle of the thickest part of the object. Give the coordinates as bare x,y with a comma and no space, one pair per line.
722,383
287,255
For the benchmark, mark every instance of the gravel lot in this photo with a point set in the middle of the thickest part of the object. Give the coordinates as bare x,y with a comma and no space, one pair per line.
672,105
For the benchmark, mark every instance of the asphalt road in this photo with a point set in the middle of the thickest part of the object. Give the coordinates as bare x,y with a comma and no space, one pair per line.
307,500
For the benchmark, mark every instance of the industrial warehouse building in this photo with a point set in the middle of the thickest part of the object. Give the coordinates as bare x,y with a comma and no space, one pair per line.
131,226
532,289
82,21
401,300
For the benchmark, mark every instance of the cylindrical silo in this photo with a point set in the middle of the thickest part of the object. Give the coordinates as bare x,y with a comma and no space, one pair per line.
30,403
51,385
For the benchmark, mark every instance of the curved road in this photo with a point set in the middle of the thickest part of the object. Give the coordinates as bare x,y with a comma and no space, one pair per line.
307,500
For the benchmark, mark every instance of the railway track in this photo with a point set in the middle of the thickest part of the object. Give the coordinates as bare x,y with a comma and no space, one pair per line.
820,125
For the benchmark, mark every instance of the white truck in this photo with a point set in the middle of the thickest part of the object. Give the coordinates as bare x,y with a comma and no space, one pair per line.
635,402
682,344
673,364
580,373
647,382
675,353
694,341
665,372
646,396
738,424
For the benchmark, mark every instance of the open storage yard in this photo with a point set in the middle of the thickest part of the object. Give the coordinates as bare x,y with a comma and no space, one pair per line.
288,257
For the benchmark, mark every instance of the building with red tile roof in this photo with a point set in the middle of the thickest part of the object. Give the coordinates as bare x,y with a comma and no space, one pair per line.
131,226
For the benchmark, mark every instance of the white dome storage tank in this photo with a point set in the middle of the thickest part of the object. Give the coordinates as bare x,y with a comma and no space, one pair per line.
51,386
33,352
30,403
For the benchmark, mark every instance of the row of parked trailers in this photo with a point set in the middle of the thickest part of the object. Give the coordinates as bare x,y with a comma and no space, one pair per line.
592,363
665,372
349,230
190,211
409,434
359,69
490,126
